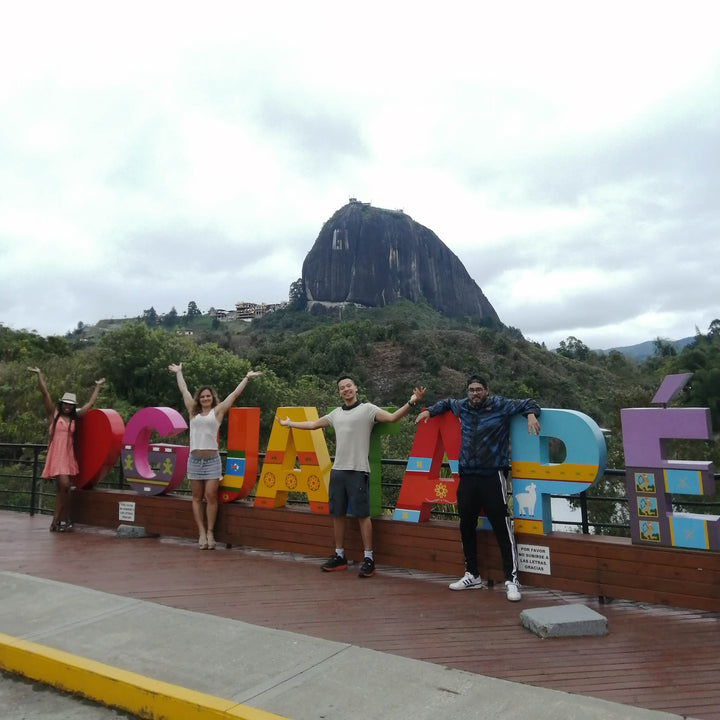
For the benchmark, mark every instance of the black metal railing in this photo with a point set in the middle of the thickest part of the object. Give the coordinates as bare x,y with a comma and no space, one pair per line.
22,489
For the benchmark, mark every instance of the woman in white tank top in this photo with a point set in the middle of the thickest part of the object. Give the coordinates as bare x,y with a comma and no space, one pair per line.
204,466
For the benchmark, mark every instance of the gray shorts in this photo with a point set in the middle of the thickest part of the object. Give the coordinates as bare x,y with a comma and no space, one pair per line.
349,493
204,468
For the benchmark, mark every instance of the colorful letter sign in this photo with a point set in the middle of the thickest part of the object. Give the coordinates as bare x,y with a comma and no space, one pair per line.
298,461
422,486
535,478
651,478
99,443
375,457
157,468
242,456
279,474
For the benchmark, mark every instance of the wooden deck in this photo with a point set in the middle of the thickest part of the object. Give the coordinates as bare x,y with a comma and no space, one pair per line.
609,567
654,657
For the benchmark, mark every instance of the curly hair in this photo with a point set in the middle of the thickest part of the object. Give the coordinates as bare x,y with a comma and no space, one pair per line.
196,398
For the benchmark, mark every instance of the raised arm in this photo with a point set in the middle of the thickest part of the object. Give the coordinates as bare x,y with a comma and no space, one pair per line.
182,385
385,417
47,400
93,397
304,424
222,407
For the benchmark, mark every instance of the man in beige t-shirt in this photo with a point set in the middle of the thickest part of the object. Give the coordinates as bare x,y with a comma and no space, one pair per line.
353,422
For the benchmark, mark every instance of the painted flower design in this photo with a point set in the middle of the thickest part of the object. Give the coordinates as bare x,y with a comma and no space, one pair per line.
269,479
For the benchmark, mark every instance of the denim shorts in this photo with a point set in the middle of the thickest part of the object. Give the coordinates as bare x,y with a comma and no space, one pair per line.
204,468
349,493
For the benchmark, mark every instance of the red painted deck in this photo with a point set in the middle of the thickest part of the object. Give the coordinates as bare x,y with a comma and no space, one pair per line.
654,657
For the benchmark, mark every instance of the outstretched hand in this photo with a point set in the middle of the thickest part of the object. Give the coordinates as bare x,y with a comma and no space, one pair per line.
253,373
285,422
175,368
418,394
34,370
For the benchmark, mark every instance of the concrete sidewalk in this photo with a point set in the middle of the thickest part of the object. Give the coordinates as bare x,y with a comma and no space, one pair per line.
251,671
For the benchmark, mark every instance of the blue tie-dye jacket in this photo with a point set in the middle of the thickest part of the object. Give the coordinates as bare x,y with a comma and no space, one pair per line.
485,431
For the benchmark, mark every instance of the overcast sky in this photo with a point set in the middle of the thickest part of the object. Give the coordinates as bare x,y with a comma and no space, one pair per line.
154,153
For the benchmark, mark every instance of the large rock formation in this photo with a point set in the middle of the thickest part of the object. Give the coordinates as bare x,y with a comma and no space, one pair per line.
374,257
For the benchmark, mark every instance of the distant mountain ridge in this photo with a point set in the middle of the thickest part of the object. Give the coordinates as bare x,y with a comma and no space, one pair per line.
646,349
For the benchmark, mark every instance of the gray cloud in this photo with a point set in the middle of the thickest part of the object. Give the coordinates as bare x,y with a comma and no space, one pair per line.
184,157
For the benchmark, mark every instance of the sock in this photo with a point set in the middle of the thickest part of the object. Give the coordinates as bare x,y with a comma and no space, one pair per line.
340,552
369,554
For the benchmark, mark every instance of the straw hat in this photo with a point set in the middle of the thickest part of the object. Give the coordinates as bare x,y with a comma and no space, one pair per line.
69,399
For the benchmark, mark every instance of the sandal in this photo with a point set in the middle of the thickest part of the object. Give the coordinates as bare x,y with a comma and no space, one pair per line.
210,540
54,525
202,542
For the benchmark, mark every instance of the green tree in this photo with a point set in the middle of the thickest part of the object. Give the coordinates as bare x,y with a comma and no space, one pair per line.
573,348
620,365
193,311
150,317
134,359
297,296
21,344
22,417
664,348
702,359
170,319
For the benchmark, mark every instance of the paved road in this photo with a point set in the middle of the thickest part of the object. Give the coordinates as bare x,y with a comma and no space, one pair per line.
22,699
292,675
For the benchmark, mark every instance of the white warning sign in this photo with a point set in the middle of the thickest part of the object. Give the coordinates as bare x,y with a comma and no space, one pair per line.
534,559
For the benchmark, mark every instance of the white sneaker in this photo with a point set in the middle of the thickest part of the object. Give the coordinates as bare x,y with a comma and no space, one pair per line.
467,582
512,591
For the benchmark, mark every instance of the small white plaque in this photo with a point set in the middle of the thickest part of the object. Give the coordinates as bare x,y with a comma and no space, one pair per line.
534,559
126,511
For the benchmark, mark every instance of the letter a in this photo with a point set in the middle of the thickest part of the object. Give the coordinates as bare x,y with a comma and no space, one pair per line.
279,474
422,486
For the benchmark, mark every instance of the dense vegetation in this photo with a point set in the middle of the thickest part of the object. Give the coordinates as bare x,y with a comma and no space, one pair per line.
388,350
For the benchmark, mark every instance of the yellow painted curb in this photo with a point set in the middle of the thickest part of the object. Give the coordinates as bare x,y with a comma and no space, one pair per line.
118,688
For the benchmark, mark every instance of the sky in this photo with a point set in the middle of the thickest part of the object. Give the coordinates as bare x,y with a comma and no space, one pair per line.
157,153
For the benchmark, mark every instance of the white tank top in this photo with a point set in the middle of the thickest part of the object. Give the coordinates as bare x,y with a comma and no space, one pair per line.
204,431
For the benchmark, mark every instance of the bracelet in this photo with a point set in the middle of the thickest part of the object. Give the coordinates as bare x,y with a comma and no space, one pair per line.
410,404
